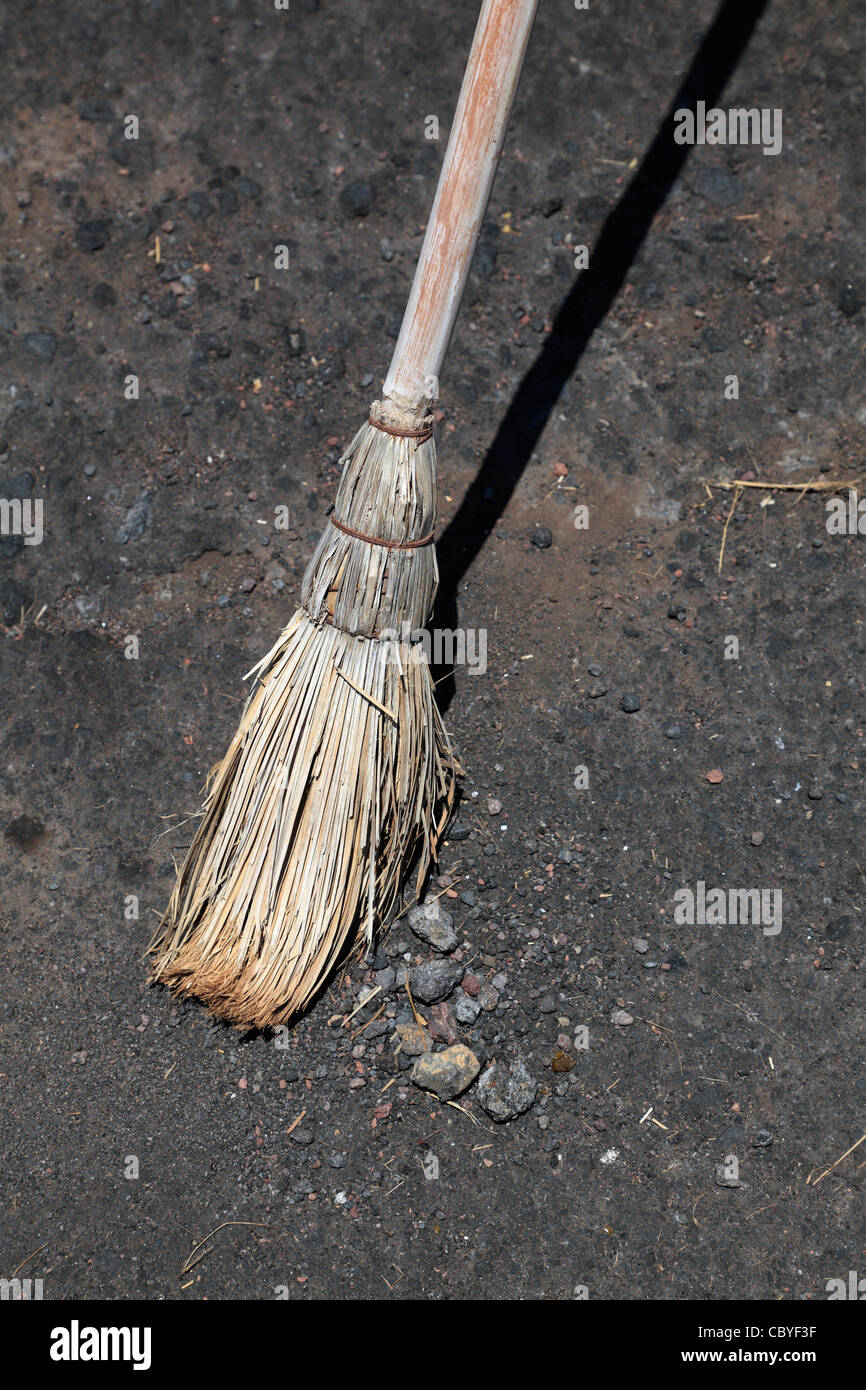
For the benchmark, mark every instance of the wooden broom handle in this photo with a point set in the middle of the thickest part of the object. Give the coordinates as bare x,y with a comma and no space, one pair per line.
474,147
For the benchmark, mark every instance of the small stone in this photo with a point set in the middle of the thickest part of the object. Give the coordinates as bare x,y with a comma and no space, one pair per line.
89,605
447,1074
715,776
137,520
443,1024
849,300
641,945
356,199
377,1028
414,1039
630,702
471,984
673,731
93,236
506,1090
432,924
199,205
621,1018
762,1139
302,1136
494,807
757,837
542,538
815,792
386,979
487,998
458,832
547,1005
41,345
466,1009
434,980
561,1061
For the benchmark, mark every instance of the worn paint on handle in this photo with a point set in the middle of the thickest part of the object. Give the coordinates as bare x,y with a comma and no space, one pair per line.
474,147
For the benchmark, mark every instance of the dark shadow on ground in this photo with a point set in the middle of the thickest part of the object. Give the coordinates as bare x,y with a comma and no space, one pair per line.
580,314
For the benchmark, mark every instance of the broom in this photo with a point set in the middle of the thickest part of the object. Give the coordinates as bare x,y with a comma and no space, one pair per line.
340,779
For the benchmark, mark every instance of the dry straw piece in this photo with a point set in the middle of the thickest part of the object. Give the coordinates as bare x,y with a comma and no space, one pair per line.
340,779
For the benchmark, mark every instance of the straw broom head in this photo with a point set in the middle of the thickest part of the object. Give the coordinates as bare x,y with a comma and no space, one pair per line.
340,778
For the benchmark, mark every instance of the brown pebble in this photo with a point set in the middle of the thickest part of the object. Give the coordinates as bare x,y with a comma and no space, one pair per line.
443,1024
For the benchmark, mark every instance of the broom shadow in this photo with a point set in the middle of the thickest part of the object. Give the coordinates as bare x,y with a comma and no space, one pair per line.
580,314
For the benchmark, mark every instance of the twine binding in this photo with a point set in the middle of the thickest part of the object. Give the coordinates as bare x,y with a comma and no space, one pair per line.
420,435
376,540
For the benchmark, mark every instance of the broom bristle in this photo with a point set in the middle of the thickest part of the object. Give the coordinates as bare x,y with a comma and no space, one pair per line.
340,778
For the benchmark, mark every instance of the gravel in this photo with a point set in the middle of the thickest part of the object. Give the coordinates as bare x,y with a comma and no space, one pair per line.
356,199
433,925
506,1090
434,980
447,1073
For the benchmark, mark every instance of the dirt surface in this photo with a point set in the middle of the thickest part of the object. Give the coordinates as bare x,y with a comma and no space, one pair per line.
154,258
